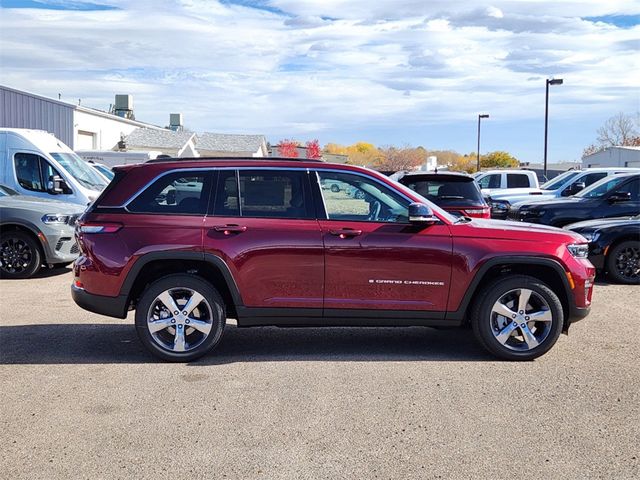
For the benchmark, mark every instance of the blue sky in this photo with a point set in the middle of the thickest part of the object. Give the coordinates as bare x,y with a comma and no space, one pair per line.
387,72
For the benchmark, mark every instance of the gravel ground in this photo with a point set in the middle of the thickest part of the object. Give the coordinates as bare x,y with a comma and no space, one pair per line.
80,398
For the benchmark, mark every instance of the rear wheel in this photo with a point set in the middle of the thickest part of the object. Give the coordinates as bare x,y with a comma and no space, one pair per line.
180,318
623,262
517,318
20,255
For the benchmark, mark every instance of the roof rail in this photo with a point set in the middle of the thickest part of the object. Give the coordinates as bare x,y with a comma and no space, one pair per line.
164,159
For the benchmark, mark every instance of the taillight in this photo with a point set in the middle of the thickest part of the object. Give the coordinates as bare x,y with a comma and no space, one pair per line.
100,227
478,212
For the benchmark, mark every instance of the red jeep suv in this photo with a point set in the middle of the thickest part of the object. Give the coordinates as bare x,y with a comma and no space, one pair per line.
190,242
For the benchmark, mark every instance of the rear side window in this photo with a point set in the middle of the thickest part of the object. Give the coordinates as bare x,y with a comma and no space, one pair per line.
517,180
490,181
180,193
263,194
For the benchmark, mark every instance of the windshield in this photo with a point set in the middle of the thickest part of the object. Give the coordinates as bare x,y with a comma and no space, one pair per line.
80,170
601,187
557,182
105,171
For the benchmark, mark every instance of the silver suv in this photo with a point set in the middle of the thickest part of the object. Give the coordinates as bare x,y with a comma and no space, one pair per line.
34,232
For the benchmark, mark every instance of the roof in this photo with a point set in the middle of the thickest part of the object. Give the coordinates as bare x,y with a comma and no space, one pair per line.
620,147
80,108
231,159
225,142
147,137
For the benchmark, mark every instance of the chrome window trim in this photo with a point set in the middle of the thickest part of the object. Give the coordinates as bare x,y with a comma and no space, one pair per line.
213,169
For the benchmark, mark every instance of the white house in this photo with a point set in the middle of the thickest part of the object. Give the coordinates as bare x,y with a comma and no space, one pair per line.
613,157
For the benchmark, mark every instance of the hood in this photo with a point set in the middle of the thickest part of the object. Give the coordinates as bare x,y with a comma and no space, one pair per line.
518,197
506,230
37,204
509,191
550,202
604,223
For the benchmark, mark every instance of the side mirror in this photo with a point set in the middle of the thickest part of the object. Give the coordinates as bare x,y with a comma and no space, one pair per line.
421,214
576,187
55,185
616,197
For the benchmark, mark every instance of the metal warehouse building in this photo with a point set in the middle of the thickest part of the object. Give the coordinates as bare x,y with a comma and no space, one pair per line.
79,127
613,157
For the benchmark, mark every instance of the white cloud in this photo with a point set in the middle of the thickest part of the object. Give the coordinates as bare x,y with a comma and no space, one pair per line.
327,65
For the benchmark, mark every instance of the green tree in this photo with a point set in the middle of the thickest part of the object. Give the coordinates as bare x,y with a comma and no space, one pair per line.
498,159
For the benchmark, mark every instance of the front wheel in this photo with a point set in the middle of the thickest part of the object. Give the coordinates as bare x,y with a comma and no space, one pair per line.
20,255
180,318
623,263
517,318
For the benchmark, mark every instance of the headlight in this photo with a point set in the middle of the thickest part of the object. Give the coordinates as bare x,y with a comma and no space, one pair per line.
578,250
499,205
50,218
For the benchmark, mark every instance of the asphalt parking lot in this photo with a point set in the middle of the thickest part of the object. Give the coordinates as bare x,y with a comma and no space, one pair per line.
80,398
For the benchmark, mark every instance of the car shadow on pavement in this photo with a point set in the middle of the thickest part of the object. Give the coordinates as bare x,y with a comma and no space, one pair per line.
110,343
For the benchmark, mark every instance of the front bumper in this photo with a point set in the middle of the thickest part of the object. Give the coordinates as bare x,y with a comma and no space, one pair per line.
109,306
59,247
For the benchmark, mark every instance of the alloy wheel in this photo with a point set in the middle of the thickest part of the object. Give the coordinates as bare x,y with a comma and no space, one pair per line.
627,262
521,319
15,255
180,319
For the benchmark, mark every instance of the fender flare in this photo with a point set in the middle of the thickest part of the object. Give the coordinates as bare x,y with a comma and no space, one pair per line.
209,258
473,287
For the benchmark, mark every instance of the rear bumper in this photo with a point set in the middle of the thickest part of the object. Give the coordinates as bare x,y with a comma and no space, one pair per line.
109,306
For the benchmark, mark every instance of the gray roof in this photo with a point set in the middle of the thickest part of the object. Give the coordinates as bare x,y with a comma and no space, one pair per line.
224,142
147,137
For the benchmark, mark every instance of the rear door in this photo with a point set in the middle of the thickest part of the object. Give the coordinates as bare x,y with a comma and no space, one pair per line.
262,224
374,259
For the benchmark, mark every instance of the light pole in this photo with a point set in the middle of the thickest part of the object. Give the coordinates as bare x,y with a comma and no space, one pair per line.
483,115
552,81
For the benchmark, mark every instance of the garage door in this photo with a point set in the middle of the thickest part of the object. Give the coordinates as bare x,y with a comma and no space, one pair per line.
86,140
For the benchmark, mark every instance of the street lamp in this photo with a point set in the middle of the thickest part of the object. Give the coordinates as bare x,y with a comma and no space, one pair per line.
483,115
552,81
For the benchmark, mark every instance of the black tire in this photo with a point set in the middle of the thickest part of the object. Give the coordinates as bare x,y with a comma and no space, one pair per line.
623,263
149,300
485,322
20,255
335,188
359,195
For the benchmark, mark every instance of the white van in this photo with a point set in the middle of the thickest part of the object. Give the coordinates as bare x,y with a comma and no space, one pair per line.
35,163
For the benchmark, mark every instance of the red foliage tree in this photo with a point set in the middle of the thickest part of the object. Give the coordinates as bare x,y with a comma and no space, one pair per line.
313,150
288,149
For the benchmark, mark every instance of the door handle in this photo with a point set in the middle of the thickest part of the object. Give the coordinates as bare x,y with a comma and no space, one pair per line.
345,232
229,229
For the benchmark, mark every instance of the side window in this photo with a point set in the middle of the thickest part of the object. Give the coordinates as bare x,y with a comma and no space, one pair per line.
361,199
28,172
274,194
591,178
517,180
226,202
180,193
490,181
632,187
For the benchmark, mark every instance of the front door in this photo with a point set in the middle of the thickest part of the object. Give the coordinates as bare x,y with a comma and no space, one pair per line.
375,259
